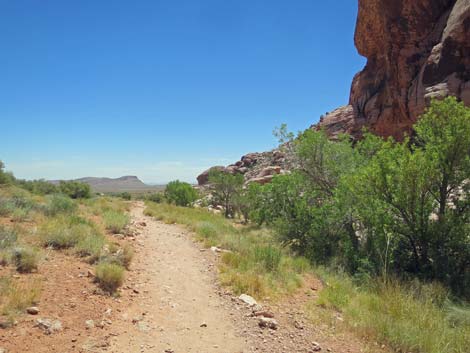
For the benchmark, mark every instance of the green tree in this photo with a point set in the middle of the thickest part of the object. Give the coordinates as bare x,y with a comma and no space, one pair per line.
180,193
226,188
5,177
75,189
413,199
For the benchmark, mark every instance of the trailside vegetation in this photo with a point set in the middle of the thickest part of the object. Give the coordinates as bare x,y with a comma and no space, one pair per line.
380,207
180,193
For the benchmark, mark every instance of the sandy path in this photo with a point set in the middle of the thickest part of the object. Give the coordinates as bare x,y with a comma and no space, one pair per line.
177,308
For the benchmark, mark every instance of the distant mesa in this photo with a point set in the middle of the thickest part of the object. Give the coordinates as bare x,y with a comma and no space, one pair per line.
121,184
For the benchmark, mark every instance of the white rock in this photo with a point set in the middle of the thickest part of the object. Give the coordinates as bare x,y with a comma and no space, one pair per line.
49,326
32,310
250,301
89,324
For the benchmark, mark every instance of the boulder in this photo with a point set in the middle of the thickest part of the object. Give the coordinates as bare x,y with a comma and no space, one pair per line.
271,170
250,301
203,178
262,180
49,326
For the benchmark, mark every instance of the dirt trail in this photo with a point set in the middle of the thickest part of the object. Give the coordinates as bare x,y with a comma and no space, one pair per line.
172,303
177,307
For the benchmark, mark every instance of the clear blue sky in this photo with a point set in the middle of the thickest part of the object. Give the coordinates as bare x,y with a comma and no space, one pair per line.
164,89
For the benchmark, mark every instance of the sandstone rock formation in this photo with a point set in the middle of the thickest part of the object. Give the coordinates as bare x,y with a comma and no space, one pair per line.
416,50
256,167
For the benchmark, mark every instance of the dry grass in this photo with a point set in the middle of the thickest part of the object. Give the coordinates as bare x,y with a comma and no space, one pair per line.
115,221
109,276
409,318
16,296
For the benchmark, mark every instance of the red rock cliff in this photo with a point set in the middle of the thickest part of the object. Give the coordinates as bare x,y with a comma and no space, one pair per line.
415,50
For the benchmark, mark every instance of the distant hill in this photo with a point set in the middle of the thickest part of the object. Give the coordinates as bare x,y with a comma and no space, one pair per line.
124,183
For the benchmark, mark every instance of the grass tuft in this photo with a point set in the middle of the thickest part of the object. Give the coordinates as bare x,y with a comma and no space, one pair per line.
15,296
109,276
115,221
413,317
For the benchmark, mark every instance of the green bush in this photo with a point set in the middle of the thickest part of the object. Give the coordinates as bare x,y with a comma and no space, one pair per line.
379,207
26,259
115,221
156,197
7,206
125,196
180,193
75,189
109,276
5,177
39,187
58,203
8,237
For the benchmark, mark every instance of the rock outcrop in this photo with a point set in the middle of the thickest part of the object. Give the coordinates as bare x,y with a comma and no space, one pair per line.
256,167
416,50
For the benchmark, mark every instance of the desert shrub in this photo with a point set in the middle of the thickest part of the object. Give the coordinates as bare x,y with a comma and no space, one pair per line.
8,237
19,205
109,276
56,204
75,189
65,232
157,197
115,221
125,196
20,214
6,206
180,193
91,245
39,187
25,259
123,256
5,177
